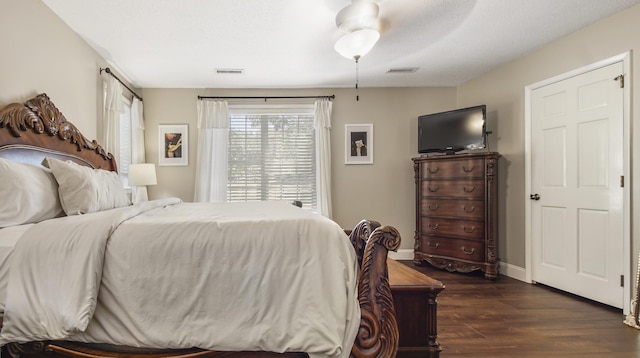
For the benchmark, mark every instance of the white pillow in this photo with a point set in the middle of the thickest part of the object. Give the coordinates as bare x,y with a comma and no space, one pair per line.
84,190
29,194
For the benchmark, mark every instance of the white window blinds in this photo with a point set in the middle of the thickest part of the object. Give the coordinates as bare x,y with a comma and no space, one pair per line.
272,155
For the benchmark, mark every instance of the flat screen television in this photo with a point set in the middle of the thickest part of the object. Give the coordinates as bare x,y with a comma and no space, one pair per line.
452,131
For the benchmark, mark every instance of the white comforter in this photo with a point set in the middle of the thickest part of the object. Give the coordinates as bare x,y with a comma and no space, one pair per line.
163,274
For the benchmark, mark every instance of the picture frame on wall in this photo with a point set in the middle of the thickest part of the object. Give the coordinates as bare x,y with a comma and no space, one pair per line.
173,144
358,144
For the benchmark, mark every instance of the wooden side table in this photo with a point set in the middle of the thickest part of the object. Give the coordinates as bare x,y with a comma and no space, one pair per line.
414,297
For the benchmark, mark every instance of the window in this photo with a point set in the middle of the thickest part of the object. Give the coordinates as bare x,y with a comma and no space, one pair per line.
272,154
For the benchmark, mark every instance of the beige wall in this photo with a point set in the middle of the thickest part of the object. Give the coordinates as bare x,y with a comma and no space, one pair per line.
503,92
40,54
383,191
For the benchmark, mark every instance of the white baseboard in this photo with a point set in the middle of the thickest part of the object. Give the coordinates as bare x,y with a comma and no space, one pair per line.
402,254
515,272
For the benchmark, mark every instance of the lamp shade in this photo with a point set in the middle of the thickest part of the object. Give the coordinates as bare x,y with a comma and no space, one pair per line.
357,43
142,174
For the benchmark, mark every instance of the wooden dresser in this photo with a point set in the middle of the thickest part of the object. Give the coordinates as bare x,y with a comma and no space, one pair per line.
457,212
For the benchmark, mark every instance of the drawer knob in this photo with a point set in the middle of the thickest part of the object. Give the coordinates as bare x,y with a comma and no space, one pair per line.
434,208
434,227
464,228
468,190
433,190
432,246
473,208
464,249
467,170
432,170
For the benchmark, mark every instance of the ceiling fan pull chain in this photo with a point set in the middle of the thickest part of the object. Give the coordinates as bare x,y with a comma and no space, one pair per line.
357,78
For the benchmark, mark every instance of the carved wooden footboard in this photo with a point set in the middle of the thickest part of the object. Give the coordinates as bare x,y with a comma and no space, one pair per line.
378,334
37,129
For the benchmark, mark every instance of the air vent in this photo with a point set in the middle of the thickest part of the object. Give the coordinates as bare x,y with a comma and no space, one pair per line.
232,71
403,70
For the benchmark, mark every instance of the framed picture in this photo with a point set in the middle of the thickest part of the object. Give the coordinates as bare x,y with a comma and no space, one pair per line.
358,144
173,144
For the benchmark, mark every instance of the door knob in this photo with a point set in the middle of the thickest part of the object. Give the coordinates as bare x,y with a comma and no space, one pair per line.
534,196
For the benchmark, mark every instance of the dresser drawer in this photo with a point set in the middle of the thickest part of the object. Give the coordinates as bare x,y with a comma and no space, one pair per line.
464,209
459,248
467,188
460,228
466,168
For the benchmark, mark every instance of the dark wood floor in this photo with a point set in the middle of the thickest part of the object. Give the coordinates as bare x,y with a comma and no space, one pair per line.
510,318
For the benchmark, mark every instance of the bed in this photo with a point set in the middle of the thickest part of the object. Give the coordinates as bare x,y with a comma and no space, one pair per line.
170,279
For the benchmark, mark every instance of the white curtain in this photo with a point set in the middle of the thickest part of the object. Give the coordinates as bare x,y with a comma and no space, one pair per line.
138,193
137,125
213,139
113,106
323,149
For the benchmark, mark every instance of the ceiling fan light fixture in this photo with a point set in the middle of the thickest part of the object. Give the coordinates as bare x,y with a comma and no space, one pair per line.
357,43
360,22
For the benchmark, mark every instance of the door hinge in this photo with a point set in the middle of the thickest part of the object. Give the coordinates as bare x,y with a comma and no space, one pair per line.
621,79
621,280
622,181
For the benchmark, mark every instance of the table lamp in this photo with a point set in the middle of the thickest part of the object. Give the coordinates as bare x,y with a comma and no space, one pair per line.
141,175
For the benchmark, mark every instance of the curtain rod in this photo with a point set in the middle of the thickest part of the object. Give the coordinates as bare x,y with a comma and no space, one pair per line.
108,70
266,97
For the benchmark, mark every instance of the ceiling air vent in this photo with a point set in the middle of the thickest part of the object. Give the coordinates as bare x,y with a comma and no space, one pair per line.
232,71
403,70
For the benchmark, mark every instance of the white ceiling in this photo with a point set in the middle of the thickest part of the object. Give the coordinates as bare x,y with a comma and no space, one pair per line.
289,43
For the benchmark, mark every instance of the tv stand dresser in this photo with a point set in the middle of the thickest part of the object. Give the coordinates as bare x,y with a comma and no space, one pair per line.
457,212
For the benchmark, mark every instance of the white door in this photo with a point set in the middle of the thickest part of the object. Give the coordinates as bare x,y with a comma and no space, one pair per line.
577,199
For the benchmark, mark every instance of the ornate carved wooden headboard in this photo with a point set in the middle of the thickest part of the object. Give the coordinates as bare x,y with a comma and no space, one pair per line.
34,130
